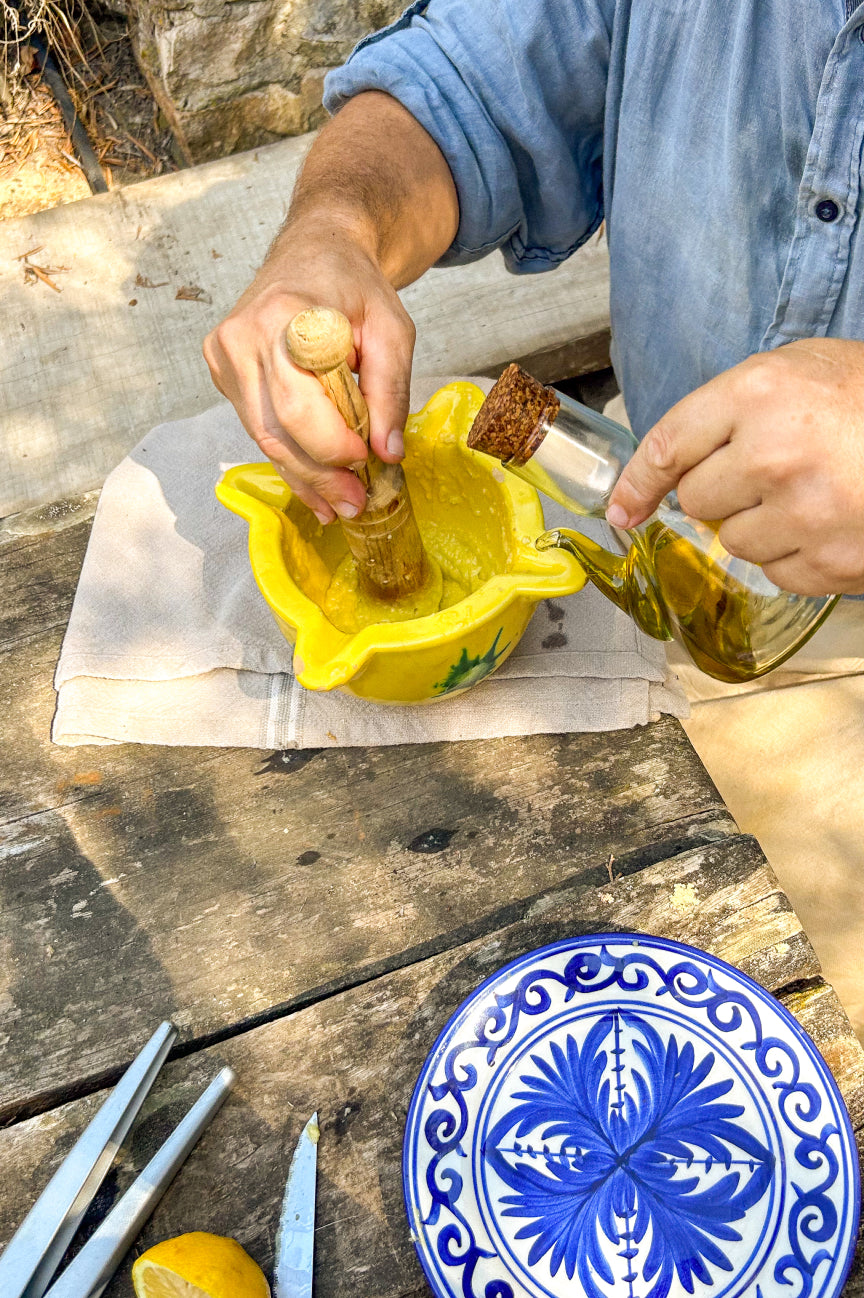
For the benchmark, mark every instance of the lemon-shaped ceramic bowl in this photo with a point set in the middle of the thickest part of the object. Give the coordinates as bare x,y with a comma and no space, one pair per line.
453,490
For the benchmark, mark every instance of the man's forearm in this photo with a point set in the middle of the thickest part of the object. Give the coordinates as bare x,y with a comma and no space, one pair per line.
375,174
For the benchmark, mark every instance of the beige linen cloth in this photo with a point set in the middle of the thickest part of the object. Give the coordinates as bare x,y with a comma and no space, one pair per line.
787,755
170,641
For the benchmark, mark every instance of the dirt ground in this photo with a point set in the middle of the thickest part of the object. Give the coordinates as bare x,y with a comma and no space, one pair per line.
38,168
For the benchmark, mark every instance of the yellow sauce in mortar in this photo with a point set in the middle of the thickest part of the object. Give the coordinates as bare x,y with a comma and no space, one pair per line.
454,572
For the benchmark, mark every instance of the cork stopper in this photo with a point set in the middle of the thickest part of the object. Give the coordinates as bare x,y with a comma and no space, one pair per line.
514,418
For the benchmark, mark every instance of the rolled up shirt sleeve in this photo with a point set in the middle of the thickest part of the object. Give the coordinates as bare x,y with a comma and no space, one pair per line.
513,92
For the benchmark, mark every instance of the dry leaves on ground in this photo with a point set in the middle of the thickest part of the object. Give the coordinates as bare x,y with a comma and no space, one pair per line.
192,293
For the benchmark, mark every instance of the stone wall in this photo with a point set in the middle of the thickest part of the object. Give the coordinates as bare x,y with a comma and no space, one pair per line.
234,74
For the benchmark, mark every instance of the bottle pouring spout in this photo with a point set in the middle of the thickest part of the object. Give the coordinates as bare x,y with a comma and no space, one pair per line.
617,576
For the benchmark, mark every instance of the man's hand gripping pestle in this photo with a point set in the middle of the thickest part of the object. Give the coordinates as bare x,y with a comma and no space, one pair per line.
384,539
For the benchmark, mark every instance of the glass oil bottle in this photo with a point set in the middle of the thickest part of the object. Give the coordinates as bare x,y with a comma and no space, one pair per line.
673,576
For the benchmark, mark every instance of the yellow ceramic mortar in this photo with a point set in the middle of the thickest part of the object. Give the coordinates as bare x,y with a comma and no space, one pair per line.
454,490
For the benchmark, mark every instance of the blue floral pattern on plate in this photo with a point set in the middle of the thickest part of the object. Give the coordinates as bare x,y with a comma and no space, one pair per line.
623,1117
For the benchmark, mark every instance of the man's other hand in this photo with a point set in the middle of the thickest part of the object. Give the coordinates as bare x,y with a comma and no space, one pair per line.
775,449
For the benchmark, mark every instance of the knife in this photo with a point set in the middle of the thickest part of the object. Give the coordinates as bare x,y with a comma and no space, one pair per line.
295,1238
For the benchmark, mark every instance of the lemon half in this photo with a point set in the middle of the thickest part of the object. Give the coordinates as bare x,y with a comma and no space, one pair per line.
198,1265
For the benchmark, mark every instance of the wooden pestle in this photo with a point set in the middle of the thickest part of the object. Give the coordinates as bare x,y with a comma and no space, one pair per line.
384,540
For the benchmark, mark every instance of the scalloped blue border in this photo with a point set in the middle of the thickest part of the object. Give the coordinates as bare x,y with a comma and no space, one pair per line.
663,944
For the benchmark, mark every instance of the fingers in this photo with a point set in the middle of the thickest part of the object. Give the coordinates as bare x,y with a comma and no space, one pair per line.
796,574
720,486
307,414
386,351
384,362
287,411
758,535
772,450
276,401
799,576
798,559
683,438
327,490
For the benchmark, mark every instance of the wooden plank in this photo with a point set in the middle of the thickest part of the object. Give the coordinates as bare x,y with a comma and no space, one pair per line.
579,356
220,884
38,575
86,372
356,1056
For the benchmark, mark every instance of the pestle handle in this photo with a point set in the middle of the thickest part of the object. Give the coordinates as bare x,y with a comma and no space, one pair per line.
321,339
384,540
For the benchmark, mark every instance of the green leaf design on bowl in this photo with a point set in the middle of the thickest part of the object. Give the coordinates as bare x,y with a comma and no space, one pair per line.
468,671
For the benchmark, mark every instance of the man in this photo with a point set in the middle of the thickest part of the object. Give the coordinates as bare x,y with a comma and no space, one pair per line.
721,143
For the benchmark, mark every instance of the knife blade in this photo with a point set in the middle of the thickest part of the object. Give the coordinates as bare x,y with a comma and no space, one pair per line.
295,1238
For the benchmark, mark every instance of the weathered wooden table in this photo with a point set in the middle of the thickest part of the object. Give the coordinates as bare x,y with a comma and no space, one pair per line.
313,918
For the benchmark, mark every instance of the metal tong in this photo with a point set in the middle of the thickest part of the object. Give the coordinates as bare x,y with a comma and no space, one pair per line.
37,1247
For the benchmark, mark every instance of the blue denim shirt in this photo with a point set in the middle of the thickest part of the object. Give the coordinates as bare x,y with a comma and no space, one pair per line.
720,139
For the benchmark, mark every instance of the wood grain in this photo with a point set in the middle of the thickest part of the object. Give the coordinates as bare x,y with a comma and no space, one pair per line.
86,372
582,355
313,918
220,886
356,1055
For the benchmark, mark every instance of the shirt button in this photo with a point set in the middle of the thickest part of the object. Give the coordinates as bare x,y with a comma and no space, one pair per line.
827,210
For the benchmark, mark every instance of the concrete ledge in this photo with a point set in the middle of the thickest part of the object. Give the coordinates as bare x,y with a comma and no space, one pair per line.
86,372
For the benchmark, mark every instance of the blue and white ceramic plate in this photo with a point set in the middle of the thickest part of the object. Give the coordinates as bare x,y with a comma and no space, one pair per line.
625,1117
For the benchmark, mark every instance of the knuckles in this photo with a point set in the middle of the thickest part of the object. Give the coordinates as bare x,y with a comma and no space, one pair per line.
408,327
337,457
211,348
797,584
840,566
832,567
756,380
773,465
659,450
225,342
690,499
730,545
401,320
